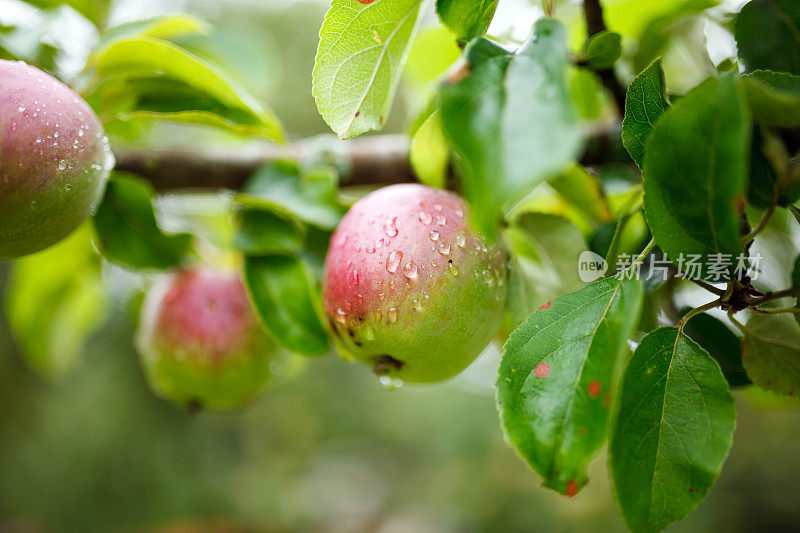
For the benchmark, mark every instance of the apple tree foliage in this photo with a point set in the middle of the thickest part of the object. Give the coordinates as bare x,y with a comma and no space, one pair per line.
563,143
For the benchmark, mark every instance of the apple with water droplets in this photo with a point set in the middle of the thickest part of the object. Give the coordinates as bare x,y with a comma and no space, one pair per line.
200,342
409,288
54,160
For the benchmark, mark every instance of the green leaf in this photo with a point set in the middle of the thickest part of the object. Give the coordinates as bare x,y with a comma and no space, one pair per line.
768,35
362,49
205,215
467,19
433,51
645,102
55,300
673,432
138,77
721,343
310,197
584,191
556,374
678,23
94,10
603,49
774,98
762,186
771,353
429,154
511,120
587,93
694,173
126,228
282,295
166,27
57,40
545,253
262,232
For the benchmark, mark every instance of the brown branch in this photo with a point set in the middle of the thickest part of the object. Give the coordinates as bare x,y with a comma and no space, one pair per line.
373,160
593,13
379,159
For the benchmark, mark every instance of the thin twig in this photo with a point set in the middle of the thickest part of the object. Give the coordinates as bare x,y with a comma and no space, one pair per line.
707,286
696,311
778,310
593,13
641,257
747,239
785,293
736,323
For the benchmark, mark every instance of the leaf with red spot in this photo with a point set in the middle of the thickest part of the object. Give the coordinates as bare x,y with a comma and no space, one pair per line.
673,431
554,368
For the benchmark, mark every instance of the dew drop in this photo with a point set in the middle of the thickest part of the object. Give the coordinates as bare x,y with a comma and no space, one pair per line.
390,227
434,235
416,304
355,278
348,264
410,270
437,207
13,126
444,248
68,187
341,239
459,213
34,204
377,314
369,333
461,241
62,165
393,261
80,133
440,220
341,315
452,269
21,108
370,249
425,217
488,278
392,314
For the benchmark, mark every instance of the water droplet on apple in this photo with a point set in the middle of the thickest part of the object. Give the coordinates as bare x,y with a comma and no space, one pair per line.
410,270
393,261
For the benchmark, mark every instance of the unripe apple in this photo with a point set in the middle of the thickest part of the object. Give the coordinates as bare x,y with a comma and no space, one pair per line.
200,342
409,287
54,160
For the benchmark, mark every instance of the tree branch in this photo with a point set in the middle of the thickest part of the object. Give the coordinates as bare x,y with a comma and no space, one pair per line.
593,13
373,160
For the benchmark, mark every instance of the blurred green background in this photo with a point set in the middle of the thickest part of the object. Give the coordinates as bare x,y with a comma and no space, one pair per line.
326,447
